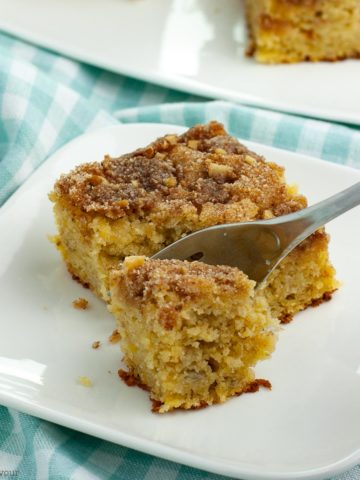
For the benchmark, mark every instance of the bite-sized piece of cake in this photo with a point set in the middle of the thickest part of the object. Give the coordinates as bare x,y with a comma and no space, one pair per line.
190,332
286,31
141,202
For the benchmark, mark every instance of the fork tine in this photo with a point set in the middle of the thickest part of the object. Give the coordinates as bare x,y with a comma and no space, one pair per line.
184,248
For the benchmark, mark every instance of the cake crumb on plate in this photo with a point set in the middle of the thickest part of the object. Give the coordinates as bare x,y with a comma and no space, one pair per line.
85,381
115,337
80,303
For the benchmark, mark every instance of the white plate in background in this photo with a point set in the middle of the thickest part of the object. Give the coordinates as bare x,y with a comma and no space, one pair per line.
191,45
306,427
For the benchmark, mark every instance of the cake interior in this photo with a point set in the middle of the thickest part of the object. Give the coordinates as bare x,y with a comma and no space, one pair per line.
283,31
190,332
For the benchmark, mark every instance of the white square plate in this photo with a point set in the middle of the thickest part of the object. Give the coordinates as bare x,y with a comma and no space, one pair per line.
308,426
196,46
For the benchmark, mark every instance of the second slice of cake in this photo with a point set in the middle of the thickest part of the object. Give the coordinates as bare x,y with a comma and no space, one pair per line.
287,31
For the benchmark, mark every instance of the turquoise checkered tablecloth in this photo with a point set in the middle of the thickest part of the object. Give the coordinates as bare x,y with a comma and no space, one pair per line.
45,101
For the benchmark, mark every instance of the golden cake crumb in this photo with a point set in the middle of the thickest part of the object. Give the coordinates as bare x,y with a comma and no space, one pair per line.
85,381
80,303
115,337
95,345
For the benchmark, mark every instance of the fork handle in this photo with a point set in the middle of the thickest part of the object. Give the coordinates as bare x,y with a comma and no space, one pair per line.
307,221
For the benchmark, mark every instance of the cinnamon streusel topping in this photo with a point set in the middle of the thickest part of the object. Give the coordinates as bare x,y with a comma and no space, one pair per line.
186,279
201,167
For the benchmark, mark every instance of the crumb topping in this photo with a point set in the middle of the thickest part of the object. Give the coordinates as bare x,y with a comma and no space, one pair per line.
184,278
132,381
80,303
204,165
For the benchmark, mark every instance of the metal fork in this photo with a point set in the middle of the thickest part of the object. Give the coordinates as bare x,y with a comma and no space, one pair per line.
258,247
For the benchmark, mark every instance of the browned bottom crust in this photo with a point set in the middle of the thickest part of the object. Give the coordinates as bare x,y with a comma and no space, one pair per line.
251,50
77,279
327,296
132,380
